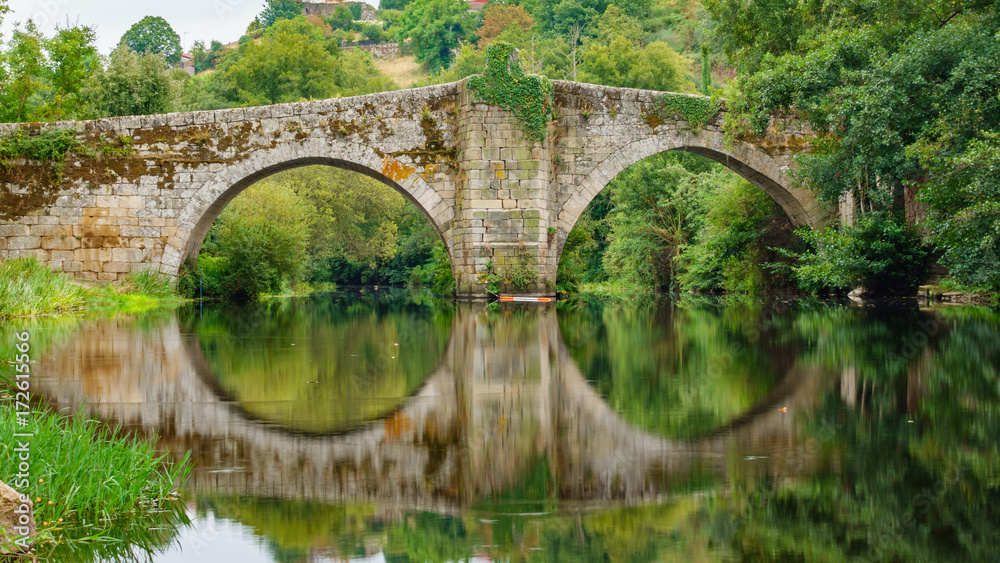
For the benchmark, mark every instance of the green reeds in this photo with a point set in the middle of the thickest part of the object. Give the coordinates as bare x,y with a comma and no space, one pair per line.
30,288
91,484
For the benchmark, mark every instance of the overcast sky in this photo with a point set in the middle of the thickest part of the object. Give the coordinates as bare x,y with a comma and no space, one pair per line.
225,20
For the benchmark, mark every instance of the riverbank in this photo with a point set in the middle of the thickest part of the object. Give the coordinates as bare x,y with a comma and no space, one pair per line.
29,289
91,487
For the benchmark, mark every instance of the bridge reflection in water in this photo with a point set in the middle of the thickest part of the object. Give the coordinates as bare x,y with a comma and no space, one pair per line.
505,394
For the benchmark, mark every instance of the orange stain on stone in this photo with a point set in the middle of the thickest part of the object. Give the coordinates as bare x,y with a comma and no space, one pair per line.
395,170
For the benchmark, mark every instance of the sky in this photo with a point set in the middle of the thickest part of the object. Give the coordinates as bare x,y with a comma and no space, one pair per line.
224,20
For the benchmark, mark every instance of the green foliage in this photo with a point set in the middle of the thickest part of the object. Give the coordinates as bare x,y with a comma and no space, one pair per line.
880,254
571,263
87,479
47,145
291,62
886,81
29,288
522,275
735,252
260,241
393,4
152,34
436,28
25,74
342,18
696,110
206,59
706,71
276,10
148,282
963,192
72,57
658,208
616,56
132,84
504,84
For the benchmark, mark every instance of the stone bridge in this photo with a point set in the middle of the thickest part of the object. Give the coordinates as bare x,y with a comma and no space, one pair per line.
503,397
142,192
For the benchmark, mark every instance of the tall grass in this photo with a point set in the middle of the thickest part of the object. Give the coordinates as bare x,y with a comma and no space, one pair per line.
91,484
30,288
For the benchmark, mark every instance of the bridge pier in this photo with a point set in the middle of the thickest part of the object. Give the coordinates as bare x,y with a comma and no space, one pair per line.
503,236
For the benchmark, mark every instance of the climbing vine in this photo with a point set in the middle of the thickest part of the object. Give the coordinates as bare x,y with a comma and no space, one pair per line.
50,146
504,84
696,110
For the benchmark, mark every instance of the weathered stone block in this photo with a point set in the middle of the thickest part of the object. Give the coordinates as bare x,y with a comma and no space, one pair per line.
23,243
60,243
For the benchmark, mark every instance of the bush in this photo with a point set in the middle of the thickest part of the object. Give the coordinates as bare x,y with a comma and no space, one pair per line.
880,254
735,252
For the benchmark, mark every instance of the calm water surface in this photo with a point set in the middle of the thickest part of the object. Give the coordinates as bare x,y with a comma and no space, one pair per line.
390,427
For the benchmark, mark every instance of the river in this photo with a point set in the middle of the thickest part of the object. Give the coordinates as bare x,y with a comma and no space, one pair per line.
390,426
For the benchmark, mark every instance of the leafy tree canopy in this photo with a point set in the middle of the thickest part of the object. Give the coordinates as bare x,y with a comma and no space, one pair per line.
154,35
497,18
275,10
906,92
132,84
436,28
616,57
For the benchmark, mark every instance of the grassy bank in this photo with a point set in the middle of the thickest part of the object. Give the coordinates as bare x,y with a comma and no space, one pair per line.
94,490
29,288
98,493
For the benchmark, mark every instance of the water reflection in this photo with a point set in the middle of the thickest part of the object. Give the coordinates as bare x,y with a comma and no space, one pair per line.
323,364
645,432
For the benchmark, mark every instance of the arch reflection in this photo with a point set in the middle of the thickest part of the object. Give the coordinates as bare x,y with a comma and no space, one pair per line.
319,365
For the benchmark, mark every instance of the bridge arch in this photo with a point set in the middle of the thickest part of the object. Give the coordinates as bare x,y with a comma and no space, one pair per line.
195,219
743,158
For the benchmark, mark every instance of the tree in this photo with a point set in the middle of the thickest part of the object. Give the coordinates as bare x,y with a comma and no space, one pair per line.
73,57
498,18
904,95
291,62
276,10
436,28
342,18
27,72
616,57
205,59
261,238
659,207
132,84
393,4
154,35
963,192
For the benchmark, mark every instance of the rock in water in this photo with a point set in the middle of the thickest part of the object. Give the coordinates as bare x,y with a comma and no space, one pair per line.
17,520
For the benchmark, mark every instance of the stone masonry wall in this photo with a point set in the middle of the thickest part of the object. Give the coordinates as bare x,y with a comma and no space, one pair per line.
150,204
504,205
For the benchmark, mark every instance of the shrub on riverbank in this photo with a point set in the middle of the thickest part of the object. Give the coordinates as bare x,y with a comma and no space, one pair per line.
881,254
